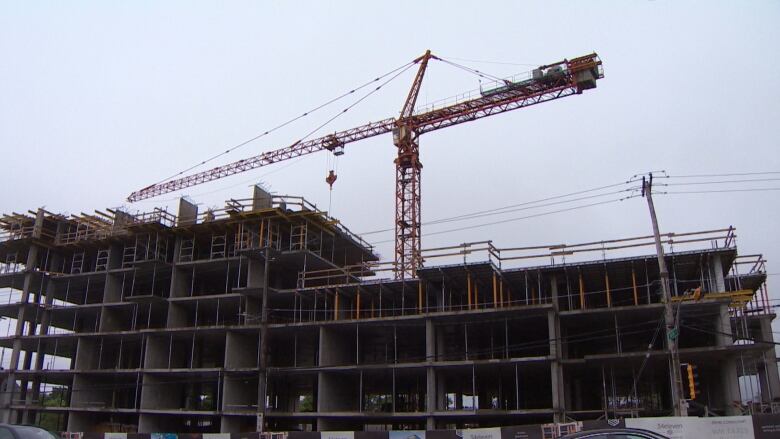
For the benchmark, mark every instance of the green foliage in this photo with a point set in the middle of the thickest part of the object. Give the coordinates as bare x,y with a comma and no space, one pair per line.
58,397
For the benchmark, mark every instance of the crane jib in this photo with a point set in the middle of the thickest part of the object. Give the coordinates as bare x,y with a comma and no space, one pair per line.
567,78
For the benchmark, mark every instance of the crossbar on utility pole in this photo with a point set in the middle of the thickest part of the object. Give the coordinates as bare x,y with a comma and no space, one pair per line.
680,406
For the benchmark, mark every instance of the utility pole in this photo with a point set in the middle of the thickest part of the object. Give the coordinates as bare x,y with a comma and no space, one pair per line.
672,331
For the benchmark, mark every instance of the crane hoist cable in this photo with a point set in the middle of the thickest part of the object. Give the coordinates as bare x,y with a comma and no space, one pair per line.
288,122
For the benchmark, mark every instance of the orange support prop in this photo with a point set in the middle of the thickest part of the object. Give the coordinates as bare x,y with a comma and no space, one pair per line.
468,290
606,283
633,283
336,307
501,291
357,307
495,292
582,293
419,297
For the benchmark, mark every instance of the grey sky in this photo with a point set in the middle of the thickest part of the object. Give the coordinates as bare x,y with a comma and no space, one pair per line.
102,98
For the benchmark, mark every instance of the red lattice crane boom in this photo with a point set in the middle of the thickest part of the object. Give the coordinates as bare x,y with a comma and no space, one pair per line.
549,82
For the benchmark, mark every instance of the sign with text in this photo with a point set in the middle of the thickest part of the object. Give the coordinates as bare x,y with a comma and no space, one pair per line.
724,427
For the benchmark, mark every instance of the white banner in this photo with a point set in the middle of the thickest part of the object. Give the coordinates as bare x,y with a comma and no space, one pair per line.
481,433
726,427
337,435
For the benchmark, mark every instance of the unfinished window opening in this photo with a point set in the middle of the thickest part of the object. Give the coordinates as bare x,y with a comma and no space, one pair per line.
292,393
180,391
294,348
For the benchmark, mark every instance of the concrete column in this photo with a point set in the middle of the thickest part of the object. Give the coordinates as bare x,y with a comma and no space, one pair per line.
11,389
261,199
188,213
716,268
45,321
335,349
556,371
728,366
770,382
723,325
156,354
430,389
730,385
255,273
241,350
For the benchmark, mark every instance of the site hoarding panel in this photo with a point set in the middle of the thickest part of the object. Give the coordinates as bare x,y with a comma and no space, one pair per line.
441,434
406,434
766,426
723,427
522,432
337,435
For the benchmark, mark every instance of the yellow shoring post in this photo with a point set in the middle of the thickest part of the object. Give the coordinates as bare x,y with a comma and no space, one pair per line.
262,229
495,292
501,291
336,307
633,282
468,289
419,296
582,292
476,295
606,283
357,305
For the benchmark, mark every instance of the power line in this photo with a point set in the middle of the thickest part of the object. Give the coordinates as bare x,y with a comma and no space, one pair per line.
753,180
517,219
719,191
739,174
498,210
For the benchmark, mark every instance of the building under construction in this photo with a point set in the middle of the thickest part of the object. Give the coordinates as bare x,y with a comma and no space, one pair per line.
270,314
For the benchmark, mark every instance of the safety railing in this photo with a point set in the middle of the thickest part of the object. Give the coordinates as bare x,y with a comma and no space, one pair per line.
9,232
285,203
156,216
486,251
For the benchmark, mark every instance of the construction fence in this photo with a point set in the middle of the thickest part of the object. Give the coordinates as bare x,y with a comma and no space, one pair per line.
766,426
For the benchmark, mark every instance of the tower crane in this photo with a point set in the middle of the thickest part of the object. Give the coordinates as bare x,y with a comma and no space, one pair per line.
547,83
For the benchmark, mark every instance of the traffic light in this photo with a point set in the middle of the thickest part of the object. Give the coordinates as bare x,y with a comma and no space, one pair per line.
693,380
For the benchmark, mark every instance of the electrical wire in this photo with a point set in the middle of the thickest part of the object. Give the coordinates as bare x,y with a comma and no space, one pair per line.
718,191
518,218
739,174
753,180
498,210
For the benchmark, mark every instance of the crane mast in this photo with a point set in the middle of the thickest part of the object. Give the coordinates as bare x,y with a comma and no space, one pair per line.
407,182
547,83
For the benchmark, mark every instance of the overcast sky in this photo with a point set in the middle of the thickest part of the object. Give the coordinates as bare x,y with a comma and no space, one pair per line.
98,99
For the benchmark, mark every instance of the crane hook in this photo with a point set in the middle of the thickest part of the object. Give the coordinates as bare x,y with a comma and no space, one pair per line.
331,178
